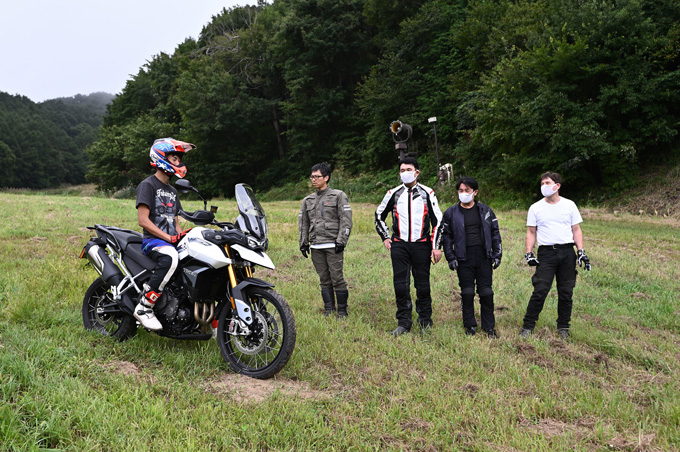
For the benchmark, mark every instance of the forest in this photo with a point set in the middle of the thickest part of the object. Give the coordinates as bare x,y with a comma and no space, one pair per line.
43,145
590,89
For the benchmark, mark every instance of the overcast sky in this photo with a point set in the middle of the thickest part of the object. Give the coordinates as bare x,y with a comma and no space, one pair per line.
51,48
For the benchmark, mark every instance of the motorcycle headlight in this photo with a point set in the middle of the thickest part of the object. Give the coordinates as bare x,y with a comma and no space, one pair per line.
253,243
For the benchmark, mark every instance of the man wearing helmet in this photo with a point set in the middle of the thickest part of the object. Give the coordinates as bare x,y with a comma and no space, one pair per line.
157,208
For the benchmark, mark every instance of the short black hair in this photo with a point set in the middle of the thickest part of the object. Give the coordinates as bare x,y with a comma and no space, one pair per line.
409,160
324,168
550,175
469,181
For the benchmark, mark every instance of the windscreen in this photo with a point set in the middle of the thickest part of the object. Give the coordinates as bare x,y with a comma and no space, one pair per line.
251,211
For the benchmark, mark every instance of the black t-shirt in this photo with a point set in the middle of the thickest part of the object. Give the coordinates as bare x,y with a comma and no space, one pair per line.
473,226
163,203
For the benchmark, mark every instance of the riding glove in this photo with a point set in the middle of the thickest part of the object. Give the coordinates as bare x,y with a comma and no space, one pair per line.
304,249
531,259
339,248
582,259
174,239
496,262
453,265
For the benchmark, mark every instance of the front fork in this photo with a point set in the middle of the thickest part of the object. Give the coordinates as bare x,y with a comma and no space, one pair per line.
238,326
204,312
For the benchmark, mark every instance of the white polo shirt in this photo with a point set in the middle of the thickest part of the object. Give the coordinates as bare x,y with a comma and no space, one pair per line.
554,221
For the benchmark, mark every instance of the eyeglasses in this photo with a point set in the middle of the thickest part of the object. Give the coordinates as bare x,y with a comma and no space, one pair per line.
314,177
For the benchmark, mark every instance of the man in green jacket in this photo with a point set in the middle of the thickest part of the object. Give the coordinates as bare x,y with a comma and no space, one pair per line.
325,223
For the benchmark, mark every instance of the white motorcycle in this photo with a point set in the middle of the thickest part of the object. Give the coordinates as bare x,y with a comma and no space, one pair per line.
212,294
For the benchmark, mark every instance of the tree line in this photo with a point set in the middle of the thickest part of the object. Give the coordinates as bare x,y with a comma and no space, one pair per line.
43,145
590,89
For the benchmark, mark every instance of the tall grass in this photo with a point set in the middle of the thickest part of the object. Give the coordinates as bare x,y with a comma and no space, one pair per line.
349,385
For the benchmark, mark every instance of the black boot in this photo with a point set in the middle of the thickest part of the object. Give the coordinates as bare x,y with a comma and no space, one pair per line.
342,296
328,301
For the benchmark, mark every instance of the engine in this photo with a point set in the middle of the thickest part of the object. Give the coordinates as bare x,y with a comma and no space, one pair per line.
174,312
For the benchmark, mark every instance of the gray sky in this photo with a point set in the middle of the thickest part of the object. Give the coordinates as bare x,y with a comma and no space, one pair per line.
53,48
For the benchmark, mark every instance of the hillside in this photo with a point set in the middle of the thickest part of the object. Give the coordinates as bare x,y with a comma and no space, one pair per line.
42,145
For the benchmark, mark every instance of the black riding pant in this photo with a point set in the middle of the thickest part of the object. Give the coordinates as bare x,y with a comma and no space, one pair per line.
559,263
412,258
476,268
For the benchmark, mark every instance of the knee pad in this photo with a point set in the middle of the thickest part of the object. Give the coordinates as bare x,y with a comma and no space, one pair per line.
485,291
467,291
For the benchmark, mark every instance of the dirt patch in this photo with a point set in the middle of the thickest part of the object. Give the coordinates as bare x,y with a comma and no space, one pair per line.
470,389
526,349
551,428
643,443
123,368
416,425
251,390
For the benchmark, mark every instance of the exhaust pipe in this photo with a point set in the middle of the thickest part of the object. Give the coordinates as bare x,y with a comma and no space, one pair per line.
103,264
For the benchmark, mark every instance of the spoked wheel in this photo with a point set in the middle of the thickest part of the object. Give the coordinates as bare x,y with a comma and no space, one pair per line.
102,314
269,344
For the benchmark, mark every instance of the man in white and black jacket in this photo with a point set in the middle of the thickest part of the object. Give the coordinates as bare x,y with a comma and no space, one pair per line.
472,245
413,244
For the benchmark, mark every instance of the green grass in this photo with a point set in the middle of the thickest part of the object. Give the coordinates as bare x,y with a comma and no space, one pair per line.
613,387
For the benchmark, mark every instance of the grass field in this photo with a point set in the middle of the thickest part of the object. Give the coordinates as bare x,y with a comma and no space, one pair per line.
349,384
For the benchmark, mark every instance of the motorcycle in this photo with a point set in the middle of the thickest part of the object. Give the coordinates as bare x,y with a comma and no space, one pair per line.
212,294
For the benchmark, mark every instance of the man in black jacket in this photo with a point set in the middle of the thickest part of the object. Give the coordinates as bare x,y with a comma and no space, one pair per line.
472,246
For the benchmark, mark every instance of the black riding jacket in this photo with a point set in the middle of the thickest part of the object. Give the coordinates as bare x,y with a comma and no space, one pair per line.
453,233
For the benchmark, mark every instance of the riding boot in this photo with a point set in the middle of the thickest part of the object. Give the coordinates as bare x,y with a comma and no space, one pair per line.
328,301
144,310
342,296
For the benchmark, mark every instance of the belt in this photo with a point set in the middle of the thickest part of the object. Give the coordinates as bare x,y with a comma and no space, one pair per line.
554,247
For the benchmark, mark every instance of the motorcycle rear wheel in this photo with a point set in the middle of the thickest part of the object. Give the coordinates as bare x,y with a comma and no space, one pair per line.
120,326
269,346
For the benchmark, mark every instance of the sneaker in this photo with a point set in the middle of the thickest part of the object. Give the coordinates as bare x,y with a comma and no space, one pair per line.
147,318
526,332
398,331
492,334
564,333
470,330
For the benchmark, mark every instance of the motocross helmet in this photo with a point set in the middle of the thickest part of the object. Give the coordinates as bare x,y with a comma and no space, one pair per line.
160,150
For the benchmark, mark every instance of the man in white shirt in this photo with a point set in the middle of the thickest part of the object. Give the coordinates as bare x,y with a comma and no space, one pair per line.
554,222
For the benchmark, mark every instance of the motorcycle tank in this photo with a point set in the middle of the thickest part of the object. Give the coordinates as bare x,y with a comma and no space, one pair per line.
195,246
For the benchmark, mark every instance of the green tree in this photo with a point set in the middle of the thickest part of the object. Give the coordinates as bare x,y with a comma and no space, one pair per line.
586,91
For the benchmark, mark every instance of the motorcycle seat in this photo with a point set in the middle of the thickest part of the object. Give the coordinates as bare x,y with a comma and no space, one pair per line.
124,237
134,252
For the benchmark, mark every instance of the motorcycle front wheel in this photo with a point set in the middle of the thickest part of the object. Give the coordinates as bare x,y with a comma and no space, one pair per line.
101,313
267,348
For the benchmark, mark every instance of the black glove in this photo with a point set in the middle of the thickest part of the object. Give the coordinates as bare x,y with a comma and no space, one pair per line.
304,249
531,259
339,247
453,265
582,259
496,262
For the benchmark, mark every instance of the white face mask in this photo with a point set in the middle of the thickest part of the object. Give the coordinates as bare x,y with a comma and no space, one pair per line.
408,176
547,190
466,198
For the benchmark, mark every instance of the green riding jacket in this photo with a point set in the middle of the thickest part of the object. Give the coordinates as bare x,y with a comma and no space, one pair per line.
325,217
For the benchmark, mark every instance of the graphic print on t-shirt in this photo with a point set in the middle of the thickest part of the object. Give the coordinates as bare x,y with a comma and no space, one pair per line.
165,203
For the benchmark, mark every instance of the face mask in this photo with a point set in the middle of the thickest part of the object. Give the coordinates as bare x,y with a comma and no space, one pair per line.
408,176
547,190
466,198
